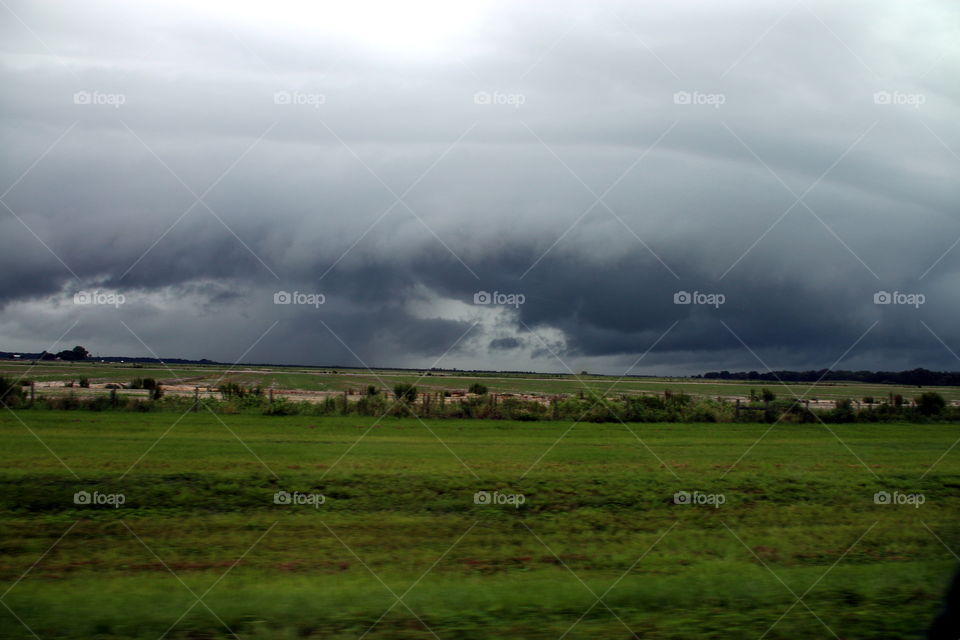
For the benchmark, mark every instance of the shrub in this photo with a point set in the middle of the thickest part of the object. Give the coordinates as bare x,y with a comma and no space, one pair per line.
701,414
843,411
99,403
11,393
237,390
370,405
142,383
281,407
930,403
139,405
477,388
84,383
404,391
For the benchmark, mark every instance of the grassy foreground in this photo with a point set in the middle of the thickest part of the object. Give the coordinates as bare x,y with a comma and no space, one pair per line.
400,549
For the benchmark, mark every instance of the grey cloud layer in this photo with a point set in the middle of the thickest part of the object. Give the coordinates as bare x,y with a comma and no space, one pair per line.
699,197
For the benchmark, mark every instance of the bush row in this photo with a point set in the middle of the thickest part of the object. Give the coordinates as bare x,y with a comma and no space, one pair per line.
667,407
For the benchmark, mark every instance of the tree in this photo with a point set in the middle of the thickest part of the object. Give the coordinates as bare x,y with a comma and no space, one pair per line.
844,411
77,353
768,396
405,391
11,392
930,403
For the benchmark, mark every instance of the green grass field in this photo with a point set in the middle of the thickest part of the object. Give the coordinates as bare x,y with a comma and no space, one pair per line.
399,549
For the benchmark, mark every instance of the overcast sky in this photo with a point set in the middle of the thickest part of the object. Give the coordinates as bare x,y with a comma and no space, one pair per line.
169,170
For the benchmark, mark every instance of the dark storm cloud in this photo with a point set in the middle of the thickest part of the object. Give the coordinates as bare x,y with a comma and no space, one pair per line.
502,197
504,343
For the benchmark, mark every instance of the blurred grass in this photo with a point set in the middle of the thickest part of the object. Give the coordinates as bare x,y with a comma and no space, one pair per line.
400,501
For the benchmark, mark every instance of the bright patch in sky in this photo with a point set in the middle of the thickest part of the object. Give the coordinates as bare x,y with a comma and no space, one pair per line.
410,28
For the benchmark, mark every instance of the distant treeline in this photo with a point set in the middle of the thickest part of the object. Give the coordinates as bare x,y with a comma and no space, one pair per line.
79,354
914,377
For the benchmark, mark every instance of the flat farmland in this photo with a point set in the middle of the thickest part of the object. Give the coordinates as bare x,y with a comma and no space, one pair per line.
341,380
204,526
